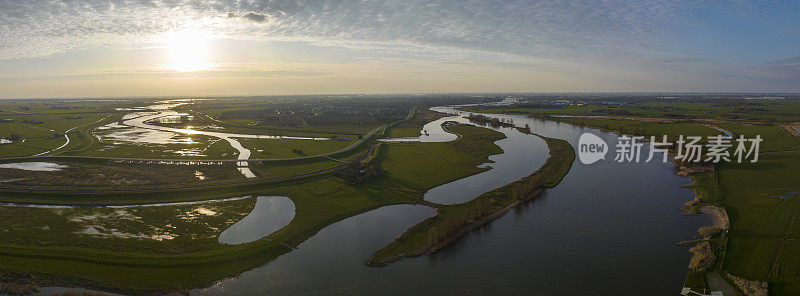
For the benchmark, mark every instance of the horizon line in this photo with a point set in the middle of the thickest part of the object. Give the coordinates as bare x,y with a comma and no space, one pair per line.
410,94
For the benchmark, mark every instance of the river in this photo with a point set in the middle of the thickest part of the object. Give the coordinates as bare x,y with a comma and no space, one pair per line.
607,229
135,127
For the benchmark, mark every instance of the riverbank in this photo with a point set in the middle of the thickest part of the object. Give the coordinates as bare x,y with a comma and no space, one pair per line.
762,230
707,251
454,221
194,257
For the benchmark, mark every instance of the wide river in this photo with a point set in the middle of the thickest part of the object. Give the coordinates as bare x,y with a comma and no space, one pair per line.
607,229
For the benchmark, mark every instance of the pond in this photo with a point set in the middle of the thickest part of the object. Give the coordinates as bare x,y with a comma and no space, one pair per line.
37,166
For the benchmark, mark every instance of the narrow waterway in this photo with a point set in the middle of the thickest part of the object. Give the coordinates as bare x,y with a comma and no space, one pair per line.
522,155
608,229
140,119
331,262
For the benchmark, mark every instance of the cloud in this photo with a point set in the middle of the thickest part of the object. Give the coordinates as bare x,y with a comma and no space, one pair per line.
575,37
785,71
256,17
515,26
250,16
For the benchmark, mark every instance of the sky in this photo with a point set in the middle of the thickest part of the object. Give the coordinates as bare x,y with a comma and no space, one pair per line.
121,48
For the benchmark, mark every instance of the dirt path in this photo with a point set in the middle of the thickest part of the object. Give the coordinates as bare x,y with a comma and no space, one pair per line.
718,283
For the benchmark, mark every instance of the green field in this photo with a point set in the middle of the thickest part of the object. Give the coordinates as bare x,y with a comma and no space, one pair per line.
730,109
646,129
453,221
270,148
41,137
53,245
412,127
38,126
762,243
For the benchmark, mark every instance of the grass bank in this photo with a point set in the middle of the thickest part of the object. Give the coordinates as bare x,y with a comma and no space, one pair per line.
454,221
762,243
760,198
52,246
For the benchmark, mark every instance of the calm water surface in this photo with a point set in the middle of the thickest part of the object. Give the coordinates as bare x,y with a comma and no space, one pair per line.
607,229
269,214
37,166
522,155
329,262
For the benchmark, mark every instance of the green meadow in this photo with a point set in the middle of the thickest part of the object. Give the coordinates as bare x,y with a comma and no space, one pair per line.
762,241
745,110
54,245
646,129
453,221
761,199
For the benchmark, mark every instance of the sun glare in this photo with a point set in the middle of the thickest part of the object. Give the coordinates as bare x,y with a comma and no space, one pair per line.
187,51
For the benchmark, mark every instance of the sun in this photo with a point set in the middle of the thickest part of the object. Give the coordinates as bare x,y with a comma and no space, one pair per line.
187,51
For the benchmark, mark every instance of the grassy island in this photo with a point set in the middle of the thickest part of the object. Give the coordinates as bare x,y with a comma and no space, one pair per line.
454,221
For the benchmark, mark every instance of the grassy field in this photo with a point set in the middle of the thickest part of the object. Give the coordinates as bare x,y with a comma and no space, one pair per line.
434,163
208,120
41,137
194,147
269,148
103,179
52,244
762,243
39,126
412,128
453,221
747,110
282,116
646,129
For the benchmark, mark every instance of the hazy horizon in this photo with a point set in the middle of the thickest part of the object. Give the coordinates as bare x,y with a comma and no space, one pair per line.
69,49
431,94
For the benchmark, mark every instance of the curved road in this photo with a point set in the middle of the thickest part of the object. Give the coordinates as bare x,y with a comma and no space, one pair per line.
244,153
325,155
66,135
368,153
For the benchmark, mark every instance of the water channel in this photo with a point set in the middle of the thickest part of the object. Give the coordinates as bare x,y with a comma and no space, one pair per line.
136,127
608,229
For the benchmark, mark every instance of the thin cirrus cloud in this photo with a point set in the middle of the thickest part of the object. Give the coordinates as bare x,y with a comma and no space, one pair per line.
646,39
